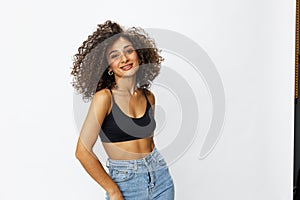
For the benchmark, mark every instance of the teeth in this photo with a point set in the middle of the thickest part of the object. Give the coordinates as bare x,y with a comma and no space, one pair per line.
126,66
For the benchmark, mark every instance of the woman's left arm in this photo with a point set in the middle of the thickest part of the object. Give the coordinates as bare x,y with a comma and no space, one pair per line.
151,99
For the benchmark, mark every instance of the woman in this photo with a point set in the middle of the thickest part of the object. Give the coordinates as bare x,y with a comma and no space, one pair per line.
114,69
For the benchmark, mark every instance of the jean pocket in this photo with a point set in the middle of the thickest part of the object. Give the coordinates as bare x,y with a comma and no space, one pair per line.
121,175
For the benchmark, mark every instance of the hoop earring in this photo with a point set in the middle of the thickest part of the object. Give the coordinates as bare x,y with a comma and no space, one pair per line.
110,72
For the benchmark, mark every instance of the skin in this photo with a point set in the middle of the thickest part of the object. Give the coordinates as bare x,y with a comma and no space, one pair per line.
131,101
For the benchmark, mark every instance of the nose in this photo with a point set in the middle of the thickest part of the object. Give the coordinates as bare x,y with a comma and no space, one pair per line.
124,57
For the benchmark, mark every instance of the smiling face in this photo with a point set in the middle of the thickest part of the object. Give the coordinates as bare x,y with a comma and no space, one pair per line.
122,58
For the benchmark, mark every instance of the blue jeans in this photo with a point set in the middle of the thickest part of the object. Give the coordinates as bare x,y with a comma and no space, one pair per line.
147,178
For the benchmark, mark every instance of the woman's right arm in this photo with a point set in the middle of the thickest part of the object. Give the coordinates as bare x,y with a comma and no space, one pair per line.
88,136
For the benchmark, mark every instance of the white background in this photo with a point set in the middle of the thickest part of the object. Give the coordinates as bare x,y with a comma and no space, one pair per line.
251,44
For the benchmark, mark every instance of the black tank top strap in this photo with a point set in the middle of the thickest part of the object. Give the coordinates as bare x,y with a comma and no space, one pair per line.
111,95
145,93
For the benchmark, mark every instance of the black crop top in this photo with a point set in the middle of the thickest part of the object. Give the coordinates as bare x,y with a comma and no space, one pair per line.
119,127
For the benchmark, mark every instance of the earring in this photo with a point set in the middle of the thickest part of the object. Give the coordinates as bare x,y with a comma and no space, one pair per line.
110,72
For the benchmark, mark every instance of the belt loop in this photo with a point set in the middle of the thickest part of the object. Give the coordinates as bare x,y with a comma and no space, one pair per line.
107,163
155,156
135,165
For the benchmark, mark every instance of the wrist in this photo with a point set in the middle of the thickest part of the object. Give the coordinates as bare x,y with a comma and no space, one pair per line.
113,191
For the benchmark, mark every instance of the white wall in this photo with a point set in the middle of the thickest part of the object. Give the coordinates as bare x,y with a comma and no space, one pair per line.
251,44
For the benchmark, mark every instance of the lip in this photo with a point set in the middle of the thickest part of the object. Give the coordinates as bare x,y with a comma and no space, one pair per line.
127,67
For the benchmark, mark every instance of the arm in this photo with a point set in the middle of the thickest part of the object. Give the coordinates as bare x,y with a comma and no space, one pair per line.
88,136
151,99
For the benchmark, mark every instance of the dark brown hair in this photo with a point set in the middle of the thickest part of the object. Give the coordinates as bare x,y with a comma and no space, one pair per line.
90,65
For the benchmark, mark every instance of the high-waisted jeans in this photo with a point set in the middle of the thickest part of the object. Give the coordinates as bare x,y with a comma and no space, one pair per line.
147,178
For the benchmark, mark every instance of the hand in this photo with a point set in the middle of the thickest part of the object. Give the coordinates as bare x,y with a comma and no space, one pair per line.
116,196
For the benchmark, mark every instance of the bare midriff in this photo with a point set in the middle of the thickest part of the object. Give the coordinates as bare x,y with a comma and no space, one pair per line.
129,150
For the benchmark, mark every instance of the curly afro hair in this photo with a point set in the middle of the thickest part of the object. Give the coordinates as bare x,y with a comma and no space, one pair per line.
90,65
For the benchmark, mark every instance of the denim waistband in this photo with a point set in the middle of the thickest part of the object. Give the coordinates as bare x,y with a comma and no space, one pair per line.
153,156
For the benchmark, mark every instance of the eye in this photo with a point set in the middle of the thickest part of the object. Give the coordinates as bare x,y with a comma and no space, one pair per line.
112,56
130,50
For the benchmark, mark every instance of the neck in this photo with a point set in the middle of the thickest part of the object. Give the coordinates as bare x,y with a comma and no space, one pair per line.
126,84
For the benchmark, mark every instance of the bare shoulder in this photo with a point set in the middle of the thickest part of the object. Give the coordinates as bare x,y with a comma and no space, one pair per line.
102,98
103,95
150,96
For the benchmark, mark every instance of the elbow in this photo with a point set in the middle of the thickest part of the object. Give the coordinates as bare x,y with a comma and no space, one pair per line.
82,152
79,153
79,150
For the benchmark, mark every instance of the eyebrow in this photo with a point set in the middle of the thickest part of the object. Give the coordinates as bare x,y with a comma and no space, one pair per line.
123,48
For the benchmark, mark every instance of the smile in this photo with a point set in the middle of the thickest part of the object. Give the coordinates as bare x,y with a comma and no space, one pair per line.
127,67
